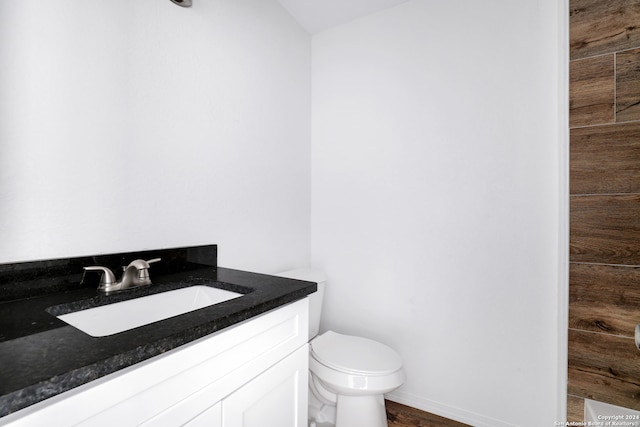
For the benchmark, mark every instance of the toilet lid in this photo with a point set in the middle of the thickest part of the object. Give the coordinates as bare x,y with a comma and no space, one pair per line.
355,355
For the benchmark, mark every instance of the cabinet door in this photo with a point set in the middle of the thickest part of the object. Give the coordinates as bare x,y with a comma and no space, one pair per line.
277,397
212,417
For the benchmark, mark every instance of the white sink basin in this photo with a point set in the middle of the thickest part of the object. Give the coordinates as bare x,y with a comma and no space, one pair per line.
122,316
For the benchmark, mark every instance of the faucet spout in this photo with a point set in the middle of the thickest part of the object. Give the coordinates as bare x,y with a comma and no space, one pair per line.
137,273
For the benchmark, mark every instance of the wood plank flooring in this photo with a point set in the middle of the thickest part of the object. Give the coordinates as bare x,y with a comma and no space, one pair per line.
405,416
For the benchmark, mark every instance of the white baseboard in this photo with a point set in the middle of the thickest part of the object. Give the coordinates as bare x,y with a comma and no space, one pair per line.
446,411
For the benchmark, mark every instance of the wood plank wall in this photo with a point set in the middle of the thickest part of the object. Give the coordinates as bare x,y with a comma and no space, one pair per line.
604,302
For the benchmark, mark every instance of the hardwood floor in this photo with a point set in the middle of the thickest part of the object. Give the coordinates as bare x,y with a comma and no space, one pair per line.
405,416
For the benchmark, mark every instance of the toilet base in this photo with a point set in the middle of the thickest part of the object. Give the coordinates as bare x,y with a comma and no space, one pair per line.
361,411
323,416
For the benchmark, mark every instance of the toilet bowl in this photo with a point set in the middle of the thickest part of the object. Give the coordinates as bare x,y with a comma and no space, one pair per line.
348,375
355,372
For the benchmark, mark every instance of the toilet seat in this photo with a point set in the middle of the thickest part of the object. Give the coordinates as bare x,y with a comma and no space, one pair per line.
348,376
354,366
355,355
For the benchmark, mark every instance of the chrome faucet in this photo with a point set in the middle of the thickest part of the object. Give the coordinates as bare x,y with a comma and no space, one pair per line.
134,275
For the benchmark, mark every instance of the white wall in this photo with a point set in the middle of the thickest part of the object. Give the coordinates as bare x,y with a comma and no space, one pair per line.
436,166
438,189
139,124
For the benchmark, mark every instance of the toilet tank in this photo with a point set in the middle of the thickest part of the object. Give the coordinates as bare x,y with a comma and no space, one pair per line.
315,299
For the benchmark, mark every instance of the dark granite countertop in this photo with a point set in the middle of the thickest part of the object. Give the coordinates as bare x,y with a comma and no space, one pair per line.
42,356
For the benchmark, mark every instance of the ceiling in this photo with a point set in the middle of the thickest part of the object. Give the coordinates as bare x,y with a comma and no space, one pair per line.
318,15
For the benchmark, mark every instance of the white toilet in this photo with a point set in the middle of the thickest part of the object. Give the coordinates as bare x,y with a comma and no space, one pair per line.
348,375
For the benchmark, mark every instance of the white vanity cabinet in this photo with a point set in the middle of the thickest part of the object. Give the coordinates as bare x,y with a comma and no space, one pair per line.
247,375
273,398
212,417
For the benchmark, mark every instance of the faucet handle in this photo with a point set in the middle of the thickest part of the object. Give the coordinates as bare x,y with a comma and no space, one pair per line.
107,279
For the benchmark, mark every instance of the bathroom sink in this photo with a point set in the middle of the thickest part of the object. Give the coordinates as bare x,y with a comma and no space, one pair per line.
122,316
